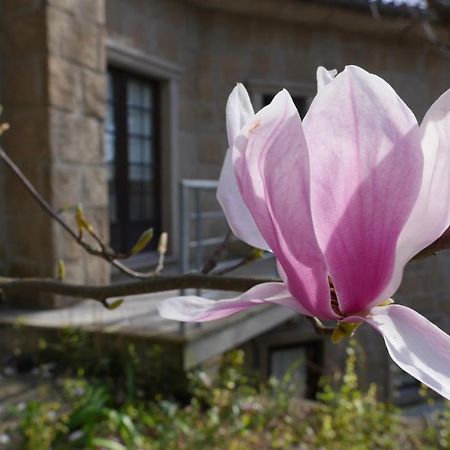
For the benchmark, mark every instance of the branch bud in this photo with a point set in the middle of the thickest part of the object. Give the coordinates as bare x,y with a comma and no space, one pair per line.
142,242
162,243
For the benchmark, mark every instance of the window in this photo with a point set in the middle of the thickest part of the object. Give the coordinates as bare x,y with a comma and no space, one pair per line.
304,361
301,103
132,157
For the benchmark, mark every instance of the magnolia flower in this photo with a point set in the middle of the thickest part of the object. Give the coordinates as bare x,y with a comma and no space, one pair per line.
344,200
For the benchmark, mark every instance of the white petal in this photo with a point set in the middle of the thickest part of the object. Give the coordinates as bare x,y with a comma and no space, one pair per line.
197,309
324,77
418,346
238,112
238,215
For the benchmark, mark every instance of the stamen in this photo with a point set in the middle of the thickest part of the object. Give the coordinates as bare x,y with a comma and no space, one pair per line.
334,299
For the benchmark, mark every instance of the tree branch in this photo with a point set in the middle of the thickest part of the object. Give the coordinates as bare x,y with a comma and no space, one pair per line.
212,261
104,251
151,285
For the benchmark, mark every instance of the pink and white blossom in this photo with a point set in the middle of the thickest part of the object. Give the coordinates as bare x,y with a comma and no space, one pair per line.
344,198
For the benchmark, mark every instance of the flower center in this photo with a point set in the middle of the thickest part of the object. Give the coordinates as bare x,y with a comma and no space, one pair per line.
334,299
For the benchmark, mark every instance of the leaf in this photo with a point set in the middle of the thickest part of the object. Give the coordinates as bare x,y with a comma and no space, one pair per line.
61,270
81,221
107,444
115,304
143,241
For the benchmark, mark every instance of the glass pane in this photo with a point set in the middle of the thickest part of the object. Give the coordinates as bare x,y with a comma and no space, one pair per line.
134,121
109,150
135,207
147,173
133,93
290,363
146,146
148,205
147,100
110,125
146,127
134,150
134,175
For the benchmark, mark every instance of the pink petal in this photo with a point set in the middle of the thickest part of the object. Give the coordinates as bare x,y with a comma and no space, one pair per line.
430,216
197,309
238,112
418,346
272,170
366,166
324,77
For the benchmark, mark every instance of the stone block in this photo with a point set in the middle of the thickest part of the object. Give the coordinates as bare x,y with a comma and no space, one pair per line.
94,90
72,38
66,186
212,148
31,240
95,187
22,34
19,202
88,10
76,138
98,271
24,82
64,84
27,136
19,6
74,271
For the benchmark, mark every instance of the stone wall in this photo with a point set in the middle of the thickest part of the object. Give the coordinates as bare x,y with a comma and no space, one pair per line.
53,90
28,248
76,98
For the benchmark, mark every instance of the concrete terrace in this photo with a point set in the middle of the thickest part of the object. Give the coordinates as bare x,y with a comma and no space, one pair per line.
138,317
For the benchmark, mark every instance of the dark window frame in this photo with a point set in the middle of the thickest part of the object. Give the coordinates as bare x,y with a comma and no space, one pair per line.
124,231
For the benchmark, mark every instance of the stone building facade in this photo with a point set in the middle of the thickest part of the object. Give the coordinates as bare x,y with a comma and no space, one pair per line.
62,65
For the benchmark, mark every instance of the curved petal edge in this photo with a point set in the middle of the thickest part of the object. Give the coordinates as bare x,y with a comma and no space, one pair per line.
197,309
415,344
236,212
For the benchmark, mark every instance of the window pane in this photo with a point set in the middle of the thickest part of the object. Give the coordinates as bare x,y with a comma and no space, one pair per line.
135,207
109,150
147,100
146,129
406,389
133,93
147,151
130,155
148,205
290,363
134,150
134,175
134,121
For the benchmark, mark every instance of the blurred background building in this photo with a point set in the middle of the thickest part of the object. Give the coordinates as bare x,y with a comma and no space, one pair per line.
112,103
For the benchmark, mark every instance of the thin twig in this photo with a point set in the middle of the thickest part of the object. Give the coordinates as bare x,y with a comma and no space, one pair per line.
241,263
212,261
104,252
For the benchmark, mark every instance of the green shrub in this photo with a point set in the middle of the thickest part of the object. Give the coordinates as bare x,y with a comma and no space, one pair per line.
229,411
